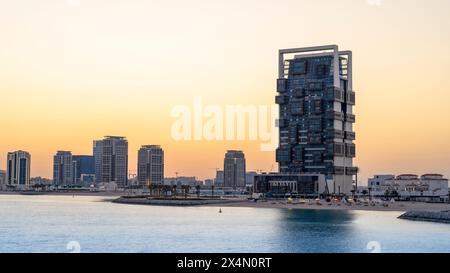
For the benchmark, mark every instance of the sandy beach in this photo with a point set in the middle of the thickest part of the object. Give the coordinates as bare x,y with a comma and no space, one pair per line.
397,206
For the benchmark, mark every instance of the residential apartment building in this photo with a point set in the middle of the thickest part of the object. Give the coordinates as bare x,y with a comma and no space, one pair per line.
234,169
111,160
18,169
150,165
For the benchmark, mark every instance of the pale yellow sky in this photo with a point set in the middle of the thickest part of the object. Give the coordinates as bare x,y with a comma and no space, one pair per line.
74,71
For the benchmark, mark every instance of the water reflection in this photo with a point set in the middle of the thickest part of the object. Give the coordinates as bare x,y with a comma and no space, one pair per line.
315,230
49,223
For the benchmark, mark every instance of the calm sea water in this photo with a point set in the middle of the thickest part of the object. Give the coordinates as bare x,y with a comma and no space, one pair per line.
88,224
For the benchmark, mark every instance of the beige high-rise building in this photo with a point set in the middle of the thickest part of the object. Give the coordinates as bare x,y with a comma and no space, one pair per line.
111,160
18,168
234,169
150,165
63,168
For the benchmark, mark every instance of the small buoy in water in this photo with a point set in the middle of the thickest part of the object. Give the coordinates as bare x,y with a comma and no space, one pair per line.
220,210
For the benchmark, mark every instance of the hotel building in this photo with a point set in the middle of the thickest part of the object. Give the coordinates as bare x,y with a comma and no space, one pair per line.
316,99
427,188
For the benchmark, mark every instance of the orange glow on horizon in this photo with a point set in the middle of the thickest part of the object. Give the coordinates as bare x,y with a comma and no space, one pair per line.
74,73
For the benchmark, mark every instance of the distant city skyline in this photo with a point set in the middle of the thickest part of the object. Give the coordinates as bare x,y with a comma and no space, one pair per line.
70,76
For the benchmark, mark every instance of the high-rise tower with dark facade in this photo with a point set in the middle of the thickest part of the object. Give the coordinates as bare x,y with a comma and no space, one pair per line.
316,99
83,169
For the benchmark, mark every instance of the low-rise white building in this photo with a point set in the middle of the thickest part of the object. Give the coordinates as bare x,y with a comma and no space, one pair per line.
208,182
379,180
426,188
107,186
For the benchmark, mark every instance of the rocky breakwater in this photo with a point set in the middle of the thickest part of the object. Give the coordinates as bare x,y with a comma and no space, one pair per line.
171,202
429,216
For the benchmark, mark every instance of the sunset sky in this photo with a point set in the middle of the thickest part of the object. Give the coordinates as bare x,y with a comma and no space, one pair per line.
74,71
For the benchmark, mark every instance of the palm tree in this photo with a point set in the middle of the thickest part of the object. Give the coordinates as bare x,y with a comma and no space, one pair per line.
164,191
174,191
168,189
154,189
150,188
159,188
197,190
364,192
186,190
183,190
394,193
